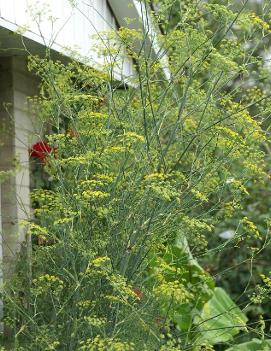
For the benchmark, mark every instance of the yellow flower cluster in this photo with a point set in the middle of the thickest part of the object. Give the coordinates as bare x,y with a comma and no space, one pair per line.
258,22
57,140
115,149
251,228
50,203
253,94
48,278
199,195
195,224
98,180
94,195
122,289
43,196
86,304
61,221
155,176
95,321
104,177
228,132
82,97
219,60
173,291
238,185
171,344
98,343
229,209
190,124
45,283
165,187
92,123
266,280
83,115
133,137
35,229
52,346
77,160
255,169
100,261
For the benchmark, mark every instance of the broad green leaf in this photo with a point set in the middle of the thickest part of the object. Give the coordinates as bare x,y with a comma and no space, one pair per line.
191,276
182,244
220,319
253,345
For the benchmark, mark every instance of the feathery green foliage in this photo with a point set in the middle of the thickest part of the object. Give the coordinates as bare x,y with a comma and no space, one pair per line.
141,175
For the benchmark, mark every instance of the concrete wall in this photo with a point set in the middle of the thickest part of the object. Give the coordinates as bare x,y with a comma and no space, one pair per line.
16,128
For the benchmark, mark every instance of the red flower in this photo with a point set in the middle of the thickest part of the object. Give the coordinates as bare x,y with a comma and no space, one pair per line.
41,150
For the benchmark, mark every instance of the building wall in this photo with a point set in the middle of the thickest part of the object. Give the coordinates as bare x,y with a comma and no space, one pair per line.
16,131
59,25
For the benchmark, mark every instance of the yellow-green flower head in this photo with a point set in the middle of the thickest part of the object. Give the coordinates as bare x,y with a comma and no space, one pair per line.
94,195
